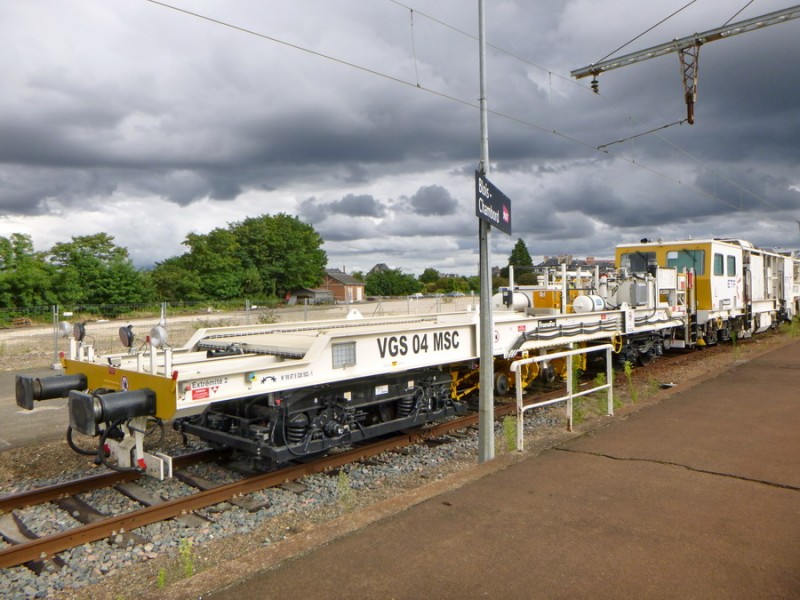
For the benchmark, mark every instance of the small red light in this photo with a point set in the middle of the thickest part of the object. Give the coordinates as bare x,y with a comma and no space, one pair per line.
174,376
142,464
61,354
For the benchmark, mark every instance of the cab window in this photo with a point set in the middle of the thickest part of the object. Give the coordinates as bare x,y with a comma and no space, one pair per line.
637,262
731,266
719,264
687,259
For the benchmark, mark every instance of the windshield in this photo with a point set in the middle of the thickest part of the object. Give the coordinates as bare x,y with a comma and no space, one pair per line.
637,262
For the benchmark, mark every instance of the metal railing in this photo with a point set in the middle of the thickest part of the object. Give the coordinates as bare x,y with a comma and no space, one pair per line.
571,394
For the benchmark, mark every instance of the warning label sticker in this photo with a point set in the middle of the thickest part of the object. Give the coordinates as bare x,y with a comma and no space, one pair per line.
201,393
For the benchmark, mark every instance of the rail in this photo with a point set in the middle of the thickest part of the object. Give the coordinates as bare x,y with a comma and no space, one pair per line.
571,394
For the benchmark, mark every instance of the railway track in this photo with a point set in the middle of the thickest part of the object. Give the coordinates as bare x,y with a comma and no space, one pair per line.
87,484
34,551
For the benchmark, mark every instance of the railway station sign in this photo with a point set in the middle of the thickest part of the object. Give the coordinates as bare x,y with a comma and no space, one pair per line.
492,205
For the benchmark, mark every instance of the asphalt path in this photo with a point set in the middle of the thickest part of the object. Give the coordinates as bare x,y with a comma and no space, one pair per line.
20,427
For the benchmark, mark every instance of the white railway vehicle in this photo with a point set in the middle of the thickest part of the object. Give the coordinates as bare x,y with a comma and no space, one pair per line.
283,391
734,287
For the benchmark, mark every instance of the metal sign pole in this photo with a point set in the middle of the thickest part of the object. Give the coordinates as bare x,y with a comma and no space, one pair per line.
486,398
56,364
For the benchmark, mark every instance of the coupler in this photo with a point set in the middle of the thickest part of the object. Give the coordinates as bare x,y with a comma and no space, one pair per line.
29,389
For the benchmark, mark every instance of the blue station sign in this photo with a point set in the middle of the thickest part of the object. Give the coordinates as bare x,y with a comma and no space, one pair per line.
492,205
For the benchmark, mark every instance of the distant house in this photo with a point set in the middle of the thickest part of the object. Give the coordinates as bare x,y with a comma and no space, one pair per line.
574,264
311,296
345,288
379,268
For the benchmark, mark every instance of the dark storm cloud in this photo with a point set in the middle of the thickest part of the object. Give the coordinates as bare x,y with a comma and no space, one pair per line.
752,190
362,205
312,211
650,206
343,229
184,141
40,190
277,154
351,205
433,200
545,225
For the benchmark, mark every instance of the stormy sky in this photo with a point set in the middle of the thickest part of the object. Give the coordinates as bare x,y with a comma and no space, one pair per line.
360,117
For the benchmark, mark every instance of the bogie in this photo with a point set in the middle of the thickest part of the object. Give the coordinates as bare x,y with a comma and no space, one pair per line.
313,420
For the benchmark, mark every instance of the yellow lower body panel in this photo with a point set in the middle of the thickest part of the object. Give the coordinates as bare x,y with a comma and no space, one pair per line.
113,378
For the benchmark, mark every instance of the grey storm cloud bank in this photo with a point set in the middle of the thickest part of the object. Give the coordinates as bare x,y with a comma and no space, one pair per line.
126,111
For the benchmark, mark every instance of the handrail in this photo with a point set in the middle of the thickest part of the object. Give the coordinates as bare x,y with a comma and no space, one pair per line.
608,386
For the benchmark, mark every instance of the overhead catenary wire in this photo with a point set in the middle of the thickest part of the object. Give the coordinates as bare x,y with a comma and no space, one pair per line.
737,13
414,46
646,31
450,97
638,135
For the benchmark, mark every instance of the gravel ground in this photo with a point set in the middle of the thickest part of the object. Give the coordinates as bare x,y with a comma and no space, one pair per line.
168,553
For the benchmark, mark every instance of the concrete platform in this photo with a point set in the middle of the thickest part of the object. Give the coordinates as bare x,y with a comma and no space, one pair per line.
697,496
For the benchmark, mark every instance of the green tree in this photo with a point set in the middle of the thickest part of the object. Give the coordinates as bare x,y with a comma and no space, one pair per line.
498,282
215,261
429,275
286,253
175,281
452,284
520,257
91,269
391,282
266,255
26,280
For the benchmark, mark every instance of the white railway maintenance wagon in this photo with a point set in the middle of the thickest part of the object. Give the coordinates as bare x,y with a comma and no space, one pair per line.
290,390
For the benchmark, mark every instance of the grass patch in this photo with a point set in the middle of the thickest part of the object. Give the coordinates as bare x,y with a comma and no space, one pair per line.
510,432
266,317
737,351
578,410
652,386
601,397
791,328
343,490
185,566
186,555
629,376
210,323
161,581
578,404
